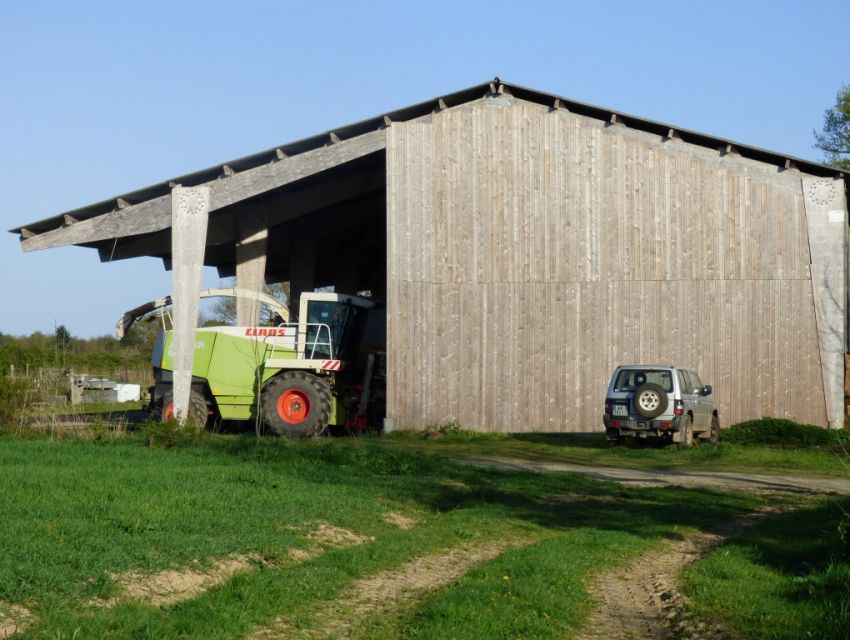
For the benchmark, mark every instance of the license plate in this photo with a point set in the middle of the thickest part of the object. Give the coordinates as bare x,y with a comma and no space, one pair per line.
643,425
620,410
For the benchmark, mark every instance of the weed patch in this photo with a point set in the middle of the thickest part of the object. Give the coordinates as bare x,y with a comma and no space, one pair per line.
168,434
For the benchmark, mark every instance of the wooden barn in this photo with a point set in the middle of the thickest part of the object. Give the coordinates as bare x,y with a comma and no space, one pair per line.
526,244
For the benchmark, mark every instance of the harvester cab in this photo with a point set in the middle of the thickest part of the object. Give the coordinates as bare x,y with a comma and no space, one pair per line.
297,377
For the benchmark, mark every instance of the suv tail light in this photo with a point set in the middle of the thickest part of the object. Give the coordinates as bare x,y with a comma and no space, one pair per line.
679,408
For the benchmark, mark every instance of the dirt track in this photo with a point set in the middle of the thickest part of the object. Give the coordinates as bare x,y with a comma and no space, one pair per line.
641,600
759,483
389,590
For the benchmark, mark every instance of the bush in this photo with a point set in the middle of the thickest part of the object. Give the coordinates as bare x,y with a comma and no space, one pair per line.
780,432
168,434
16,398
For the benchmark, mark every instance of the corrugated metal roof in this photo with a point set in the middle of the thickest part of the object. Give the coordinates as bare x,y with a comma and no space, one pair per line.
415,111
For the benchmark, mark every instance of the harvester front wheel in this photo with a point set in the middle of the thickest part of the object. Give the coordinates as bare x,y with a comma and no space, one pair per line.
297,403
198,413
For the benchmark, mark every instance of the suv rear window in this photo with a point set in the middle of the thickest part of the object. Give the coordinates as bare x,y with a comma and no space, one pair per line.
631,379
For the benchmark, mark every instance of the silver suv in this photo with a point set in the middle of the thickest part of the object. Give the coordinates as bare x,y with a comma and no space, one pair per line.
660,402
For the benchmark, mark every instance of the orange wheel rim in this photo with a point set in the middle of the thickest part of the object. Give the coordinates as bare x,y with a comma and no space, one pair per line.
168,412
293,406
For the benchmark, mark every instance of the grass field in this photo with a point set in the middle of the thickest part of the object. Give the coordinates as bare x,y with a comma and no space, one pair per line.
794,570
79,517
593,450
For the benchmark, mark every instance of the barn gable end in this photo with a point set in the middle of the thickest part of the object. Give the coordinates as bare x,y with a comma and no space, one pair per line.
531,250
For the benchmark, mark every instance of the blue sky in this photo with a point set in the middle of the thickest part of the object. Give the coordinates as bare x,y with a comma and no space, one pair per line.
100,98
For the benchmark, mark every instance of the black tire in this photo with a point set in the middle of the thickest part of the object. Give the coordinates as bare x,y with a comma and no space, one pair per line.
650,400
198,413
686,432
297,403
714,432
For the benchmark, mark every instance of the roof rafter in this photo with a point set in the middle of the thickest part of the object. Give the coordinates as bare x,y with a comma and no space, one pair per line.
221,229
155,214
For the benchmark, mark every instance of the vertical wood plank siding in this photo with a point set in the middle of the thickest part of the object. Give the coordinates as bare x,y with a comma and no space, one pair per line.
531,251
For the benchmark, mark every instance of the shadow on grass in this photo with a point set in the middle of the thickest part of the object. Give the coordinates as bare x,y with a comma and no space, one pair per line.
566,501
800,541
579,440
795,570
553,501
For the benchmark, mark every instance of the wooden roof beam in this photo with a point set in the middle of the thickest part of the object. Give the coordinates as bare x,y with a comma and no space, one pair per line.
155,214
672,134
558,105
221,229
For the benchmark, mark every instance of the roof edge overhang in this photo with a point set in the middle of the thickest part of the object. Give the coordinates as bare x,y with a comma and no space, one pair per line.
332,136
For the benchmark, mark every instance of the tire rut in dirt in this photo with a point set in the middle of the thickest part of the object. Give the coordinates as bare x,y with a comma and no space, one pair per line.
389,590
14,619
642,600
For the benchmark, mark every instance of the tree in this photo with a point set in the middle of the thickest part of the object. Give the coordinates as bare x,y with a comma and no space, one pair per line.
63,337
223,310
834,140
63,340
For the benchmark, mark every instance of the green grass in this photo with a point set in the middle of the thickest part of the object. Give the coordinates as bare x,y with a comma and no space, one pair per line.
794,570
593,450
101,407
75,512
535,592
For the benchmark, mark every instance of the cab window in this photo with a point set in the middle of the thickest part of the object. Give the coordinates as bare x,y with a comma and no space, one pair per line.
631,379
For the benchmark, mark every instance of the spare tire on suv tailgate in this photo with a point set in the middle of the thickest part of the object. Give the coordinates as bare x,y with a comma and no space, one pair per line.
650,400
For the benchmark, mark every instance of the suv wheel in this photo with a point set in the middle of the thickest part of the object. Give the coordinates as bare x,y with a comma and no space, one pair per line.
686,432
714,433
650,400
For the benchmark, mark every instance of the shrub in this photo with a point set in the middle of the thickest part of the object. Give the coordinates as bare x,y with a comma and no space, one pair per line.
779,432
167,434
17,396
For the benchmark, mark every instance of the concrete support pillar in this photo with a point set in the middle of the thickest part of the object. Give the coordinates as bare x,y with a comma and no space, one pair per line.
826,221
189,213
252,230
302,262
